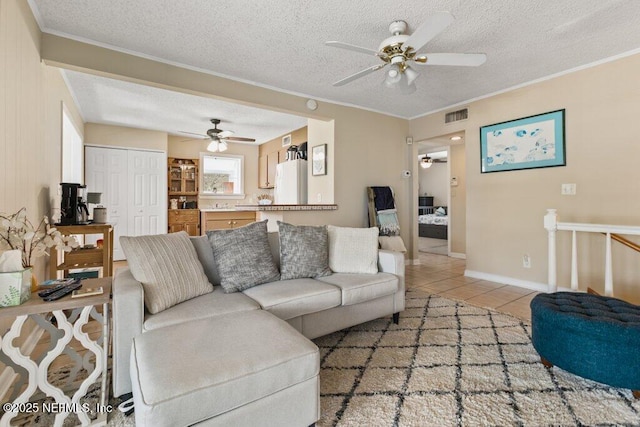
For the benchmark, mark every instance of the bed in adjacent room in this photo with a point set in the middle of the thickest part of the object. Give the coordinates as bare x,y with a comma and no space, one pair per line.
434,224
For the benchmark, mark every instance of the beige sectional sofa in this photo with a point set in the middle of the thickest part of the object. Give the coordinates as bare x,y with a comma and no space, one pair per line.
313,307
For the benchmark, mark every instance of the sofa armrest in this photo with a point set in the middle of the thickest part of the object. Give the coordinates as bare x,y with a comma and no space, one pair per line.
391,262
128,318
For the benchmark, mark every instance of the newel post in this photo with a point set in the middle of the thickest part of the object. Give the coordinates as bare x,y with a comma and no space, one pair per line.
551,224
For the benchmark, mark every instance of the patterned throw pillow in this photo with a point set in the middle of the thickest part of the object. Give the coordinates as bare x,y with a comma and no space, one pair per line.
304,251
168,268
243,257
353,250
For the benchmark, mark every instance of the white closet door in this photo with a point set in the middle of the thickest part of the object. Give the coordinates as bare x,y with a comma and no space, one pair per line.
147,193
106,172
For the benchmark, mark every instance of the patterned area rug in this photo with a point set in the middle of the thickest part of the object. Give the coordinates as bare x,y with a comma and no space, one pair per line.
451,364
446,364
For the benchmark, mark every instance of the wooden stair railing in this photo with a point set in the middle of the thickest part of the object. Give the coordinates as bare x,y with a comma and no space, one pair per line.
628,243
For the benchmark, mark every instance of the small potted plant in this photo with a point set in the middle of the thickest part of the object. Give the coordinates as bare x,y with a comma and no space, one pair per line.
19,234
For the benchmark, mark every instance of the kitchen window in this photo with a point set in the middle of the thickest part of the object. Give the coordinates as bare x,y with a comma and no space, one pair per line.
222,176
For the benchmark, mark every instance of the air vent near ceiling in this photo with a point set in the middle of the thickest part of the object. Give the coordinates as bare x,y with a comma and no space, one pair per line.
456,116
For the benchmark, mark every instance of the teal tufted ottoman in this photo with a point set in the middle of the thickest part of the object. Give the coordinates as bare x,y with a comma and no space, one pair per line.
593,336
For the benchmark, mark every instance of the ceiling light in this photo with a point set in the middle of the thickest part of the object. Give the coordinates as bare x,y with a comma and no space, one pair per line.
213,146
411,74
456,138
222,146
426,162
394,76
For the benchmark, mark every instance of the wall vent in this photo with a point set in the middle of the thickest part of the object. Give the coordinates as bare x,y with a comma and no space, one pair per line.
456,116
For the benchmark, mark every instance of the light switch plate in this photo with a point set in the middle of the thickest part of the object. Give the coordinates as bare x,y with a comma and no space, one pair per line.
568,190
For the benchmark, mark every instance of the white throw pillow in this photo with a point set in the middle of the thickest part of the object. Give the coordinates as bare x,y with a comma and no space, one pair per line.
168,268
353,250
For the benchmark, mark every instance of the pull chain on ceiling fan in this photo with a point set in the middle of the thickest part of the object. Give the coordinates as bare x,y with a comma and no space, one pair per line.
400,49
219,137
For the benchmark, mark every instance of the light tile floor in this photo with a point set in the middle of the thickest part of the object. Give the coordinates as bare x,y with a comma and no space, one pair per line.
444,276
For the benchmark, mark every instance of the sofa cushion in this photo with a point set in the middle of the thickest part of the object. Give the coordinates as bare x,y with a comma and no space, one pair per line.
205,255
216,365
243,256
212,304
353,250
304,251
168,268
291,298
357,288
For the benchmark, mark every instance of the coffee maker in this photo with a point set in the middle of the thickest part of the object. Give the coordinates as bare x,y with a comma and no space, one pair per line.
73,206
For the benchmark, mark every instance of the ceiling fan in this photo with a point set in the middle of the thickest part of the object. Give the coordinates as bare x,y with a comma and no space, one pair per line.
400,49
219,137
426,161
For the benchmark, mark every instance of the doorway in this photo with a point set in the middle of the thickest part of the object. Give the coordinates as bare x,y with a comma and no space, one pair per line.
441,198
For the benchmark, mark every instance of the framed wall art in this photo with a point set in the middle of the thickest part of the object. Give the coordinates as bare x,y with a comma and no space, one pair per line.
530,142
319,160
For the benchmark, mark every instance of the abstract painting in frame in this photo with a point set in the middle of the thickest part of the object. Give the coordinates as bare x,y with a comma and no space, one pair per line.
530,142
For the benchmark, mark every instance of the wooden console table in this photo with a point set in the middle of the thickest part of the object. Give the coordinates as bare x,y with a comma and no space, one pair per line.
84,258
71,315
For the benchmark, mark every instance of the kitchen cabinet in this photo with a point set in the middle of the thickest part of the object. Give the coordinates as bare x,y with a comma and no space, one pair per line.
183,178
225,220
184,220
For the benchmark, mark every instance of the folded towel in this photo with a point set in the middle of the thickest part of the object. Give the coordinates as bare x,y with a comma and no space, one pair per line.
383,198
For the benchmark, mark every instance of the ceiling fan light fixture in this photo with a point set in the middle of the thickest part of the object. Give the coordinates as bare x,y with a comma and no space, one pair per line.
222,146
214,146
411,74
394,76
426,162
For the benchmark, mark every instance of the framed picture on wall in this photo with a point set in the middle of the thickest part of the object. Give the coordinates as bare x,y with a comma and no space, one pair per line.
319,160
530,142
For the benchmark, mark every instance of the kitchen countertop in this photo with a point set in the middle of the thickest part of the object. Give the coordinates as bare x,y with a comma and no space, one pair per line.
270,208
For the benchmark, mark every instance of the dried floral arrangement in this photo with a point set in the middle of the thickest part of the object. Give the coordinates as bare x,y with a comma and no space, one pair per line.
18,233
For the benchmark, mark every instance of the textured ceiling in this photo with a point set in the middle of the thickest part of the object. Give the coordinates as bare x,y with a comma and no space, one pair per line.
280,44
116,102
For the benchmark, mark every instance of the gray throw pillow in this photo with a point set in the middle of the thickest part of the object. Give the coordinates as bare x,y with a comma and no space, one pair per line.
243,257
304,251
168,268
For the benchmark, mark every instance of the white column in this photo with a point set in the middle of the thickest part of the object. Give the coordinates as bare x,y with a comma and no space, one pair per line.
551,224
608,269
574,261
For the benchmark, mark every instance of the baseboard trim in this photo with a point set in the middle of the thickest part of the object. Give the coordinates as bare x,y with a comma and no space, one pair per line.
458,255
8,375
535,286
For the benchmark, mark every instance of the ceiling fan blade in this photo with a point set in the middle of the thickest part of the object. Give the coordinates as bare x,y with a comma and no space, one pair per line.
457,59
359,74
352,47
191,133
225,133
237,138
430,28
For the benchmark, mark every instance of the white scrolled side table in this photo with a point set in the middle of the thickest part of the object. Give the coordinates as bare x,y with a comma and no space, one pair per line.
70,315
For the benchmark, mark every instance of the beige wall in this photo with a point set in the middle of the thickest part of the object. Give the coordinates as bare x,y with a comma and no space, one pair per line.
369,148
458,202
434,181
31,99
321,187
124,137
191,148
504,210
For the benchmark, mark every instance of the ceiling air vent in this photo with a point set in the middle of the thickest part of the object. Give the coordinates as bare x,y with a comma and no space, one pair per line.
456,116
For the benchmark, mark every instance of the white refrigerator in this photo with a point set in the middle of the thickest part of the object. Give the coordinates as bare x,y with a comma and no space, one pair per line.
291,183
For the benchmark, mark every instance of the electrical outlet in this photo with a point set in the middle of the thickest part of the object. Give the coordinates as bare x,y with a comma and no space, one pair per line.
568,190
526,261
